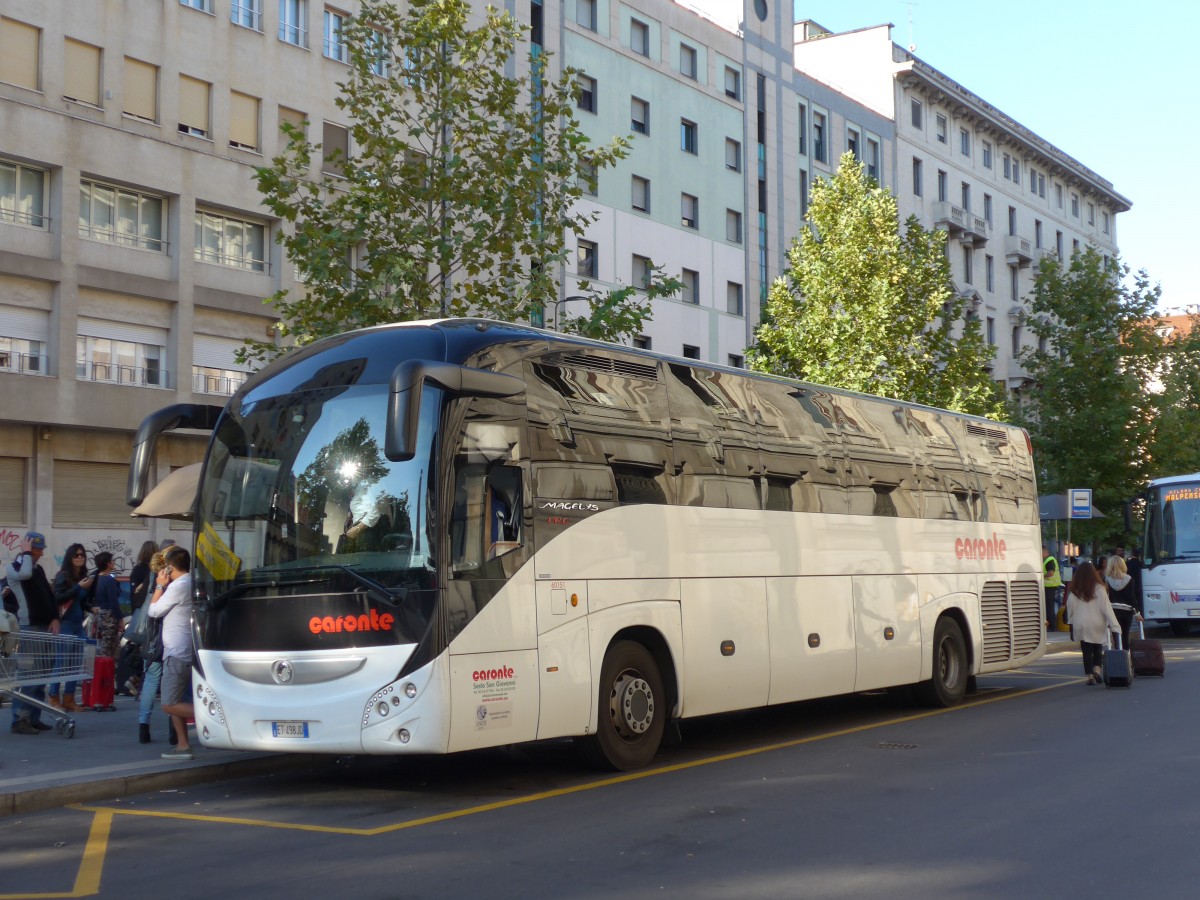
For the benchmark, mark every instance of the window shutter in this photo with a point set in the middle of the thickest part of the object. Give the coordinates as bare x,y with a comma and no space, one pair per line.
122,331
12,488
26,324
243,120
335,138
19,45
81,72
193,103
217,353
90,493
293,117
141,94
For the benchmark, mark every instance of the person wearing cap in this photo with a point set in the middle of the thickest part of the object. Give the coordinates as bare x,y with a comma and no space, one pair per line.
37,612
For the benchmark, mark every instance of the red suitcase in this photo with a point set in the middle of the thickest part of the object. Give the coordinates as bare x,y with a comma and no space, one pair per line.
99,693
1147,655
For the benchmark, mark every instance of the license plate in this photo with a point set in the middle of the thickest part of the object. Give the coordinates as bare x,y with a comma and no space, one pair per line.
1194,612
289,729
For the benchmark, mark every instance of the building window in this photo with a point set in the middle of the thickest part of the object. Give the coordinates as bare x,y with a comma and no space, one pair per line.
987,208
639,115
943,186
873,158
733,299
819,137
733,226
641,272
687,61
803,130
1041,186
733,155
22,356
1058,195
335,148
691,287
202,5
1074,246
193,106
1014,292
852,142
81,72
1032,180
1058,243
966,197
1037,233
915,114
20,53
639,37
589,179
119,362
989,271
941,129
141,90
641,342
335,47
1016,340
1007,166
918,187
585,259
968,253
964,142
736,361
803,194
293,16
246,13
292,117
378,54
1016,171
243,121
22,194
987,154
733,83
1104,221
230,242
1075,205
690,352
120,216
687,136
1091,214
210,380
585,13
689,211
215,369
1012,220
640,193
587,93
991,331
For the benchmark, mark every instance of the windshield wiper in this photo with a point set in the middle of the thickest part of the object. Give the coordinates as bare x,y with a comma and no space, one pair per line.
246,586
390,596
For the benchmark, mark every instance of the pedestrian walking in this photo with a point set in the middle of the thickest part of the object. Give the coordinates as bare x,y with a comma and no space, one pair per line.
1091,617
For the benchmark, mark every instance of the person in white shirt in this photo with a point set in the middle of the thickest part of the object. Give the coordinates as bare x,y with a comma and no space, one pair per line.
172,602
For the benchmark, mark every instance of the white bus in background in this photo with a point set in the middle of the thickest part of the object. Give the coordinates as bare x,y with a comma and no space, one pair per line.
440,536
1171,558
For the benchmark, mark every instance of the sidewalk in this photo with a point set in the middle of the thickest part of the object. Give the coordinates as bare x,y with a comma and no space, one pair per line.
104,761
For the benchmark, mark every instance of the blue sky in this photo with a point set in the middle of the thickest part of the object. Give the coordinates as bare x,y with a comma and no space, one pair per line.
1110,83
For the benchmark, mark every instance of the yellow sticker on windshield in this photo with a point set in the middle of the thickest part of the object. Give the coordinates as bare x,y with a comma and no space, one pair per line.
215,555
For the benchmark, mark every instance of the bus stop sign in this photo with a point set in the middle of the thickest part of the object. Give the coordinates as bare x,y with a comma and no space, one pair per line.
1081,503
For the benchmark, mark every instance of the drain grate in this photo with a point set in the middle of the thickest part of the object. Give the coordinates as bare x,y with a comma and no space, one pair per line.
894,745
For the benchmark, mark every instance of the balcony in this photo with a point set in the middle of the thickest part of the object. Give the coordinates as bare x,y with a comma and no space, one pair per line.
217,384
976,230
950,217
113,373
23,363
1018,250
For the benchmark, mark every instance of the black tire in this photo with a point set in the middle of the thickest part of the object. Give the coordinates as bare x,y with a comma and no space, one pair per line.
950,675
633,709
1180,628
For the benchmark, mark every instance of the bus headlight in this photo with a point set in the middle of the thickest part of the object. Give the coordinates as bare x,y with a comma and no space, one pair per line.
207,700
410,691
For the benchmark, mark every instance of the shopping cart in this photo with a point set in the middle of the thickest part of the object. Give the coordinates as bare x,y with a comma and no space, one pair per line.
29,658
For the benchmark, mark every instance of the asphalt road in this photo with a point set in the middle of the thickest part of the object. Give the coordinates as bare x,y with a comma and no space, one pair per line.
1040,786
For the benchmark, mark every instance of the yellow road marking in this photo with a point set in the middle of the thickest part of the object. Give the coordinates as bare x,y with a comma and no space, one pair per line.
87,881
574,789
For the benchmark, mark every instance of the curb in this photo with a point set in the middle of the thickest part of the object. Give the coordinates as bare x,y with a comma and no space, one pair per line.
59,795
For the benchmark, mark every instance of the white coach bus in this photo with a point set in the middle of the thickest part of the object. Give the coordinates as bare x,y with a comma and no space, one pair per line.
1171,573
437,536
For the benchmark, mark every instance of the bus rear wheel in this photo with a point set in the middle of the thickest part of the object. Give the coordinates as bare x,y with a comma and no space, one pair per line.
1181,627
633,709
950,675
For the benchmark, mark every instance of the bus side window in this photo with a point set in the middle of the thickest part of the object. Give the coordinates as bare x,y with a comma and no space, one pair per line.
503,512
486,518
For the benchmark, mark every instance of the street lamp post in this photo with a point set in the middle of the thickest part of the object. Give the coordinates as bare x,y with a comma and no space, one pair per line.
556,303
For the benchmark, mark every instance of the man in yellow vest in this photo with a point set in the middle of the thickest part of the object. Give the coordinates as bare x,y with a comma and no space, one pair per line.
1053,582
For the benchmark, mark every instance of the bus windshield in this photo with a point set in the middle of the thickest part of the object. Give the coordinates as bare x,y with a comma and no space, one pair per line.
307,536
1173,523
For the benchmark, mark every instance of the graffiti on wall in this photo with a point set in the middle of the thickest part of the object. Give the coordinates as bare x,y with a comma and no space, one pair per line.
122,547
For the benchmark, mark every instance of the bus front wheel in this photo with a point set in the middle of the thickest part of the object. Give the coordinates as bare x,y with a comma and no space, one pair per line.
633,709
1181,627
949,682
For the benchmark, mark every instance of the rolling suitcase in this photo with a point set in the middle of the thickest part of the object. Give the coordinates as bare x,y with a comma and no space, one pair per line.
1147,655
101,694
1118,668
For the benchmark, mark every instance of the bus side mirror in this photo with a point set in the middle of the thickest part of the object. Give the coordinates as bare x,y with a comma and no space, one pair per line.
200,416
404,397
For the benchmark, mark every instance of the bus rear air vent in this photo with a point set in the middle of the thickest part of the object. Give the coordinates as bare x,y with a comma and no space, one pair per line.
623,367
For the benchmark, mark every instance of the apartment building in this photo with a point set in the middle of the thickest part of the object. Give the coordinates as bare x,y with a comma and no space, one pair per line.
1006,196
135,254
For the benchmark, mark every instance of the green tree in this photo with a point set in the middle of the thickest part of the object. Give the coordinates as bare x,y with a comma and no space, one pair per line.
867,308
621,311
461,188
1086,412
1175,448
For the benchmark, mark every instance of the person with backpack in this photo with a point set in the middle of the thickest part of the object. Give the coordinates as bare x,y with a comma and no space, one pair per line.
72,585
